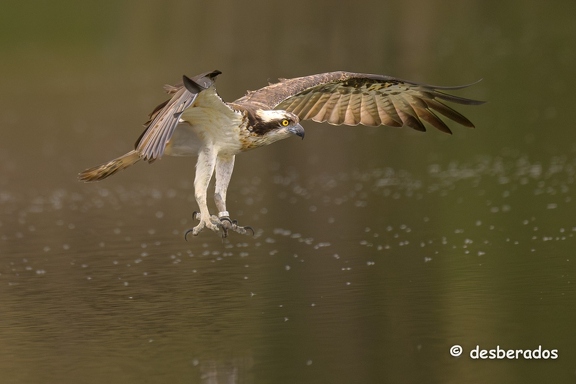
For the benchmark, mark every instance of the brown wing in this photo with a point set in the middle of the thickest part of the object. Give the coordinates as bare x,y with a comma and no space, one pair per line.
165,117
357,98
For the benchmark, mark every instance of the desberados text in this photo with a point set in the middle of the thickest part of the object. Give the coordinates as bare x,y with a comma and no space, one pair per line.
513,354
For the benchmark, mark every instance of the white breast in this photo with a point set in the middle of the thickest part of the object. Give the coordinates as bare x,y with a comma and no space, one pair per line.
209,121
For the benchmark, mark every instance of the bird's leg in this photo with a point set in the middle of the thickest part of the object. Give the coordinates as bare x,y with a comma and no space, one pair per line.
204,169
224,168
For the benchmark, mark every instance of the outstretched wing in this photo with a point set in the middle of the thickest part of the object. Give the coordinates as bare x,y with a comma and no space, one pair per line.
165,117
358,98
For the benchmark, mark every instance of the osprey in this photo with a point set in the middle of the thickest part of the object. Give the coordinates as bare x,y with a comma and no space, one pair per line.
195,121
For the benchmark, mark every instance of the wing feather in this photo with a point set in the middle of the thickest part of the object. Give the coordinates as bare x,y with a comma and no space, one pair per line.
406,113
165,117
388,113
341,108
448,112
334,113
304,104
152,142
369,112
316,108
431,118
310,103
357,98
325,109
353,110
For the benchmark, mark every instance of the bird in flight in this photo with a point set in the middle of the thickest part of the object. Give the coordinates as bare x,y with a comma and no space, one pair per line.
195,121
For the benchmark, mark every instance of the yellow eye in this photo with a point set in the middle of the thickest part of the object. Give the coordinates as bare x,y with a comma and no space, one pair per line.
285,123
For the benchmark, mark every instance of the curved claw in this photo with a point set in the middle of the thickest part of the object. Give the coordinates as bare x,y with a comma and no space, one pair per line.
233,225
187,232
226,218
250,228
194,214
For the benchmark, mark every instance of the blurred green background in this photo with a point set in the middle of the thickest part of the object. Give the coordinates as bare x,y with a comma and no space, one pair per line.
78,73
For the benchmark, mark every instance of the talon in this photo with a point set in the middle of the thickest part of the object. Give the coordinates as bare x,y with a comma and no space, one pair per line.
203,224
223,223
195,231
228,224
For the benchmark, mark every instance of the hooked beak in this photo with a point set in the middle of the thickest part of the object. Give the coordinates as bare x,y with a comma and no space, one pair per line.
297,130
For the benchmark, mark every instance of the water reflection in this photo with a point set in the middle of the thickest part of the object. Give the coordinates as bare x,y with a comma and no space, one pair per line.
234,371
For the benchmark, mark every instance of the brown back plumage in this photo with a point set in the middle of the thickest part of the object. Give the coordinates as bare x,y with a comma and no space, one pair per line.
357,98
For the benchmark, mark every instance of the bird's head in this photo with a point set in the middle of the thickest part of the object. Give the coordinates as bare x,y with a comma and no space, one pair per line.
273,125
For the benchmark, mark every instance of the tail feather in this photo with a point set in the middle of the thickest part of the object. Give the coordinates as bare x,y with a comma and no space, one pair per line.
102,171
